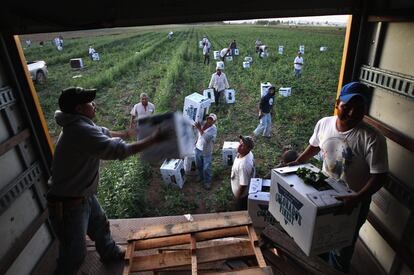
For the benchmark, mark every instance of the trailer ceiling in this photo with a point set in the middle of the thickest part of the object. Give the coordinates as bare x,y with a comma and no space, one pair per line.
47,16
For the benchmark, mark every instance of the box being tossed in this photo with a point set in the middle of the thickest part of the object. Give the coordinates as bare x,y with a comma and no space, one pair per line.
180,139
310,214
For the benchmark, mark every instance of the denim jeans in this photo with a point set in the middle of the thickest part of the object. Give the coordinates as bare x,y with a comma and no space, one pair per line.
71,228
265,126
298,72
204,166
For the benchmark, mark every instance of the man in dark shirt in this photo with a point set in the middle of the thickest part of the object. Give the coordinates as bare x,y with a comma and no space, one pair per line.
233,47
265,108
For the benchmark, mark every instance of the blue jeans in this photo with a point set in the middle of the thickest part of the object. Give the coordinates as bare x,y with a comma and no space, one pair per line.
298,72
204,166
265,126
71,227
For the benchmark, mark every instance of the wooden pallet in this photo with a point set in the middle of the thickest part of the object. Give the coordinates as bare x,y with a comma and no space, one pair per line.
194,243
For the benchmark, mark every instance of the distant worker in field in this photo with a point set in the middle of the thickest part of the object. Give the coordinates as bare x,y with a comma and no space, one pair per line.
257,44
265,109
225,52
242,171
262,51
206,52
73,207
91,51
219,83
298,63
207,134
204,40
170,35
141,110
233,47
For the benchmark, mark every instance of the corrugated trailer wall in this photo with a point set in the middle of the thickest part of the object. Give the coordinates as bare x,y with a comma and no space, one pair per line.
388,67
25,234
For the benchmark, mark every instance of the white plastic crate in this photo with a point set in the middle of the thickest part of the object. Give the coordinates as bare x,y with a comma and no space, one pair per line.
229,58
210,94
302,49
196,107
220,64
258,202
172,172
246,65
309,215
230,95
176,146
229,152
285,91
190,167
264,88
216,55
236,52
280,50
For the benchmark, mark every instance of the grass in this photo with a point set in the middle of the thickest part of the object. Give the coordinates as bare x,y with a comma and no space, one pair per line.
146,61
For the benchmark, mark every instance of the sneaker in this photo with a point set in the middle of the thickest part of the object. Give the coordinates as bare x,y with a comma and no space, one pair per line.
116,255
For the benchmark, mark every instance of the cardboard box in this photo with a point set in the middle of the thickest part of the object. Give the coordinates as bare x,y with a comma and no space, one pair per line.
280,50
190,167
236,52
248,59
196,107
230,95
246,65
200,44
76,63
285,91
220,64
323,49
302,49
258,203
210,94
229,152
176,146
95,56
264,88
264,54
172,172
216,55
229,58
310,216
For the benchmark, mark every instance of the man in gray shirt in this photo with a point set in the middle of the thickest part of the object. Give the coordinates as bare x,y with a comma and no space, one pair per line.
74,209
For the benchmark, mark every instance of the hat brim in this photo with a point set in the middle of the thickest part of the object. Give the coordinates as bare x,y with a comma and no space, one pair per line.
346,98
245,142
88,95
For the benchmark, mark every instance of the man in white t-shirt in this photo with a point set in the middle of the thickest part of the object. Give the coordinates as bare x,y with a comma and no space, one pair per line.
224,52
242,171
298,63
141,110
219,83
354,153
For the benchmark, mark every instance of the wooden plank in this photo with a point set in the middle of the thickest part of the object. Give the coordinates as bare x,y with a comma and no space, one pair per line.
181,258
286,246
193,255
282,265
128,258
13,141
220,220
255,246
267,270
185,238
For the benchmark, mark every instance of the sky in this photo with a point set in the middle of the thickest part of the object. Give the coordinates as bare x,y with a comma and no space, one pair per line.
342,19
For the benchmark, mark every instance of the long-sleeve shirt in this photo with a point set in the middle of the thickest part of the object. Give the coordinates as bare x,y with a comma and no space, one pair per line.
206,140
219,82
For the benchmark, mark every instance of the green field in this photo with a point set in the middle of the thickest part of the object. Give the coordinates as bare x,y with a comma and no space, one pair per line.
144,60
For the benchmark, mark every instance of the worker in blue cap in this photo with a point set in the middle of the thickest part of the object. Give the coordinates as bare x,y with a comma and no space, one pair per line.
353,153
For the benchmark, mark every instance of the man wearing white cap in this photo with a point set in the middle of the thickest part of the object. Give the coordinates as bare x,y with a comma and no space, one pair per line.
207,134
219,83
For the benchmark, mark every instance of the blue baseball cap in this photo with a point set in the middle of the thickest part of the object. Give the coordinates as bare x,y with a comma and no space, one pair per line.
352,89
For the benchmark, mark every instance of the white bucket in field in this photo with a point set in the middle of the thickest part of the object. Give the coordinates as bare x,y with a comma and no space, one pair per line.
280,51
246,65
236,52
229,58
200,44
285,91
216,55
220,65
302,49
323,49
248,59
